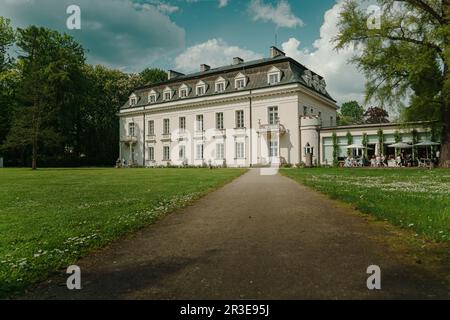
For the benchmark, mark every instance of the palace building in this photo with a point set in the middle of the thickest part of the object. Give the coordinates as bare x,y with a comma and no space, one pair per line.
270,111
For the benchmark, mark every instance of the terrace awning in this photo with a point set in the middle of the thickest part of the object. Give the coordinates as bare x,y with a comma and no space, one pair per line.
427,143
355,146
400,145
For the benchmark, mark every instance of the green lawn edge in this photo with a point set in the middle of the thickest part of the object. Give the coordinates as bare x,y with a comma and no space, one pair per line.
379,208
42,273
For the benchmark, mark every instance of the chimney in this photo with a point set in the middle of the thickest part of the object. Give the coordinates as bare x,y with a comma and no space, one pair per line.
275,52
237,60
204,67
171,74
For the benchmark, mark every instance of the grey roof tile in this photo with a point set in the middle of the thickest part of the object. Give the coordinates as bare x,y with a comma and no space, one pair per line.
256,72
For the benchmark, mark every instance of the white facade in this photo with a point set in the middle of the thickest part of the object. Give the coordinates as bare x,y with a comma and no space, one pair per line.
261,113
241,129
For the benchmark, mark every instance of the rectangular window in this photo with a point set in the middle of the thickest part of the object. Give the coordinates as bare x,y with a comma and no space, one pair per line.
240,83
131,131
151,127
273,148
183,93
219,120
152,98
182,152
240,152
133,101
199,122
220,151
166,126
273,115
199,154
167,95
166,153
200,91
240,119
151,154
305,110
220,87
182,124
274,78
331,121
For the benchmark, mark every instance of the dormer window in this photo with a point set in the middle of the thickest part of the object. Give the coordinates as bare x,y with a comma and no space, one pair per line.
323,86
200,88
133,100
167,94
307,76
240,81
152,96
220,85
316,82
273,76
184,91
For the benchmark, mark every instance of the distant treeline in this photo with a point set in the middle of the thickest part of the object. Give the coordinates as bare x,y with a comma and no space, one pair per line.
55,109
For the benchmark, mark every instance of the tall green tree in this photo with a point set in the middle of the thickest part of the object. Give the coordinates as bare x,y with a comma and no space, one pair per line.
7,77
351,113
49,65
153,75
107,90
411,43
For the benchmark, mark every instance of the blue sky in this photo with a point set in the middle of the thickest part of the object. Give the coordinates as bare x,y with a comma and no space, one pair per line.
181,34
234,23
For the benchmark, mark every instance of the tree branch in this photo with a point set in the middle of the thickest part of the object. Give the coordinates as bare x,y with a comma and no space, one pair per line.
427,8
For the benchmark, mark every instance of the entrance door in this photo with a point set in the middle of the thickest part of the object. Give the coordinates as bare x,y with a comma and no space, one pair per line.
273,151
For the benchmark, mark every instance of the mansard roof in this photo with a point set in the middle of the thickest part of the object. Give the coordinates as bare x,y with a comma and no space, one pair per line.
255,71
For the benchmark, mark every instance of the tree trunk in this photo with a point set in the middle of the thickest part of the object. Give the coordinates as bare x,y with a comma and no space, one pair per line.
445,148
34,154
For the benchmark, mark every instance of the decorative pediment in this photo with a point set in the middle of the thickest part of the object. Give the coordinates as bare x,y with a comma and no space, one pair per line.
240,75
274,70
220,79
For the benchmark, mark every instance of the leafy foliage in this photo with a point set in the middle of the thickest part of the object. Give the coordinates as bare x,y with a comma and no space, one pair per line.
151,76
376,115
408,56
351,113
54,106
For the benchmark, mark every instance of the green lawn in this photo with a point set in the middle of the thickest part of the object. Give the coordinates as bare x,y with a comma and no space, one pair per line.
410,198
51,217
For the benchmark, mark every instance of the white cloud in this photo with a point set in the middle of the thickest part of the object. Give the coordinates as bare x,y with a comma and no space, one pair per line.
344,81
118,33
281,14
166,8
214,52
223,3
